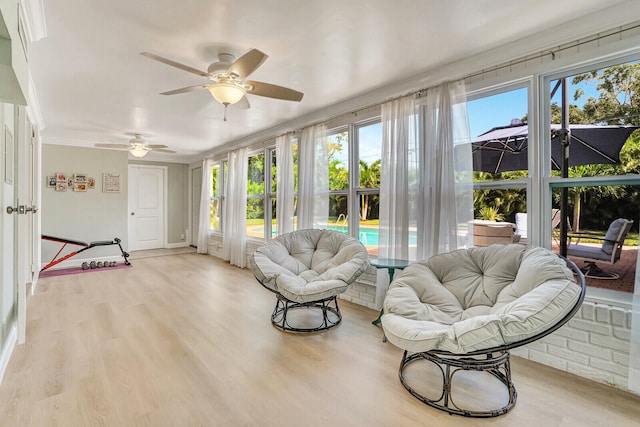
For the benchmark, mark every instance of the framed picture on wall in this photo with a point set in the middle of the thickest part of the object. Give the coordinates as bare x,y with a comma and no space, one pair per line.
79,178
79,186
51,181
91,182
61,186
110,183
61,176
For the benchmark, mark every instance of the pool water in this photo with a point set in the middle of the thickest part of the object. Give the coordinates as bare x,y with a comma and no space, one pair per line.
368,236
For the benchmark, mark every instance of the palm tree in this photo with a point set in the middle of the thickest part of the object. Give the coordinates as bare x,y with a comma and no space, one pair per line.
369,178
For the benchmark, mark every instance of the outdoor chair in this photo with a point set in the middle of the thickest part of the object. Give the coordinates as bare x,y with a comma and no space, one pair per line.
556,218
521,227
608,251
308,269
464,310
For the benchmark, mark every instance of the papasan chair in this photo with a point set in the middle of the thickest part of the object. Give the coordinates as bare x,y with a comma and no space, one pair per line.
464,310
308,269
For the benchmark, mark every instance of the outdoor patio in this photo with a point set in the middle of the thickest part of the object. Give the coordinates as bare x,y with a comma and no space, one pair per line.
625,268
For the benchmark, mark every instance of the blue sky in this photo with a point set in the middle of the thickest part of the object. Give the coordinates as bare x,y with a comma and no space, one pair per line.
484,114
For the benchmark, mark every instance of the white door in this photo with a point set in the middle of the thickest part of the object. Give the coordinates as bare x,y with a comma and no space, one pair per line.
8,283
24,140
146,207
196,188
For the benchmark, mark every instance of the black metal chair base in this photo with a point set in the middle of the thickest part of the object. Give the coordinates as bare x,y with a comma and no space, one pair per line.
592,271
449,365
331,315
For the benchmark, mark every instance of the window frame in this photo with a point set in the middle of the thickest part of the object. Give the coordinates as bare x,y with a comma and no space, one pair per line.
548,182
532,148
266,176
359,191
221,184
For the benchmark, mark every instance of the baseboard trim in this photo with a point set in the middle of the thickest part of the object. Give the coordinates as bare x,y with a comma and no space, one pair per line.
176,245
7,350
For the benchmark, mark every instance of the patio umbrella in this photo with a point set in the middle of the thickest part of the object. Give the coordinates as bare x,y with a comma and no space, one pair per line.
504,148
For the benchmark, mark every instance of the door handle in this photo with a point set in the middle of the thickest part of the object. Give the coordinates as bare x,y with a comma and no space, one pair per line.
133,213
20,210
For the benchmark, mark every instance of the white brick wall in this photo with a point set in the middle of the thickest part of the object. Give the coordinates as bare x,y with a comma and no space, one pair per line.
594,344
363,290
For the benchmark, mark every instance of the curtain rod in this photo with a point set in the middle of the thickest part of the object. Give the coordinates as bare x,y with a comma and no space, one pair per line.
421,92
553,52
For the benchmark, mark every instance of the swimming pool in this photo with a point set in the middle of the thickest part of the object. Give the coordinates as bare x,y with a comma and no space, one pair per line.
367,236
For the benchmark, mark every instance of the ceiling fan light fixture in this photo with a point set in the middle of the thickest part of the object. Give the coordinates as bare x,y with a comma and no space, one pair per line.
227,93
138,151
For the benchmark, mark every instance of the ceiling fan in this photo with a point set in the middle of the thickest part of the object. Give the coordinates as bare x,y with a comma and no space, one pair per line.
227,79
138,146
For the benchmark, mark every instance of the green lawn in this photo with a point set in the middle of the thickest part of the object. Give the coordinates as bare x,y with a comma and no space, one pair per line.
631,240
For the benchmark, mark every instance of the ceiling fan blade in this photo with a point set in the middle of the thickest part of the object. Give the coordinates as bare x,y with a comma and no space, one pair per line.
274,91
247,63
174,64
156,146
185,89
163,150
114,146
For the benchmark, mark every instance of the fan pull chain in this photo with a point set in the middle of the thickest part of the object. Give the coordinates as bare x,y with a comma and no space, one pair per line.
226,104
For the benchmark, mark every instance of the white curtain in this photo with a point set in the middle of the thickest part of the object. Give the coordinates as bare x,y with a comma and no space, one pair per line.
634,344
204,222
397,178
313,178
234,247
284,184
446,199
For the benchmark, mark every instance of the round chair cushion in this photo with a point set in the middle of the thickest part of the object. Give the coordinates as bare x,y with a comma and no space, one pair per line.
479,298
309,265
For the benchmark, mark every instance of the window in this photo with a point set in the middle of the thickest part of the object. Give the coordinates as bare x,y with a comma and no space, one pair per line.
369,144
338,158
499,134
215,201
256,196
602,181
357,148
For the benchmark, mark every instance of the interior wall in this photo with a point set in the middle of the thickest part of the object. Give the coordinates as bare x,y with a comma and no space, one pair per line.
177,199
87,216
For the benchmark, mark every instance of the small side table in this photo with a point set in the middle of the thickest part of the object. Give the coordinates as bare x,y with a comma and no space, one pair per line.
391,265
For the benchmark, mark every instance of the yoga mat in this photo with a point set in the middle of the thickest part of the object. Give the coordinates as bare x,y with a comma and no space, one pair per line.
76,270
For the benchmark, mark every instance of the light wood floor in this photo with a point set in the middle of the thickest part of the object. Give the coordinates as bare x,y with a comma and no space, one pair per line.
186,340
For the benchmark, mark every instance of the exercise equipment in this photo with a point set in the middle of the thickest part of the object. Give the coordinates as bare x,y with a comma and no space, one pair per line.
84,246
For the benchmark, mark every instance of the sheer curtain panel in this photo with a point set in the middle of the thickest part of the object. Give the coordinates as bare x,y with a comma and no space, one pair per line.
204,221
234,248
397,178
446,171
313,178
284,184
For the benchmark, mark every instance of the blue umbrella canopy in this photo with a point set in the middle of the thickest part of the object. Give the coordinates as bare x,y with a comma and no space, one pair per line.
504,148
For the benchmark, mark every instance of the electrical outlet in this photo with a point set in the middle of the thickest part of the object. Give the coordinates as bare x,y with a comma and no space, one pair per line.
182,237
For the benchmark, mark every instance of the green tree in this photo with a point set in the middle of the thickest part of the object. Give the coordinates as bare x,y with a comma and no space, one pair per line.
338,172
618,100
617,103
255,186
369,178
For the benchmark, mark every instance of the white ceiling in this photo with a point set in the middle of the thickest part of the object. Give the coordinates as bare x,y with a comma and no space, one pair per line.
94,87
